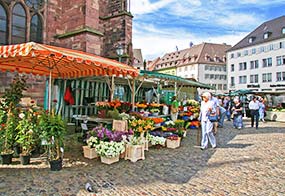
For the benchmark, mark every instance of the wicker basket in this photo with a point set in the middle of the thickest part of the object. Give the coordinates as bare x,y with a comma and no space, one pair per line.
173,143
89,153
110,160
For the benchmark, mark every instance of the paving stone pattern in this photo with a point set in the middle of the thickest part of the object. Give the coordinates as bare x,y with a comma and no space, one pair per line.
246,162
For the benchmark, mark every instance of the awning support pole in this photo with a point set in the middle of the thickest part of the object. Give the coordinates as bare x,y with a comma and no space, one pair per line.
49,92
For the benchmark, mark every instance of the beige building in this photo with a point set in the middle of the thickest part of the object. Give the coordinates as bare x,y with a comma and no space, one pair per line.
205,63
257,62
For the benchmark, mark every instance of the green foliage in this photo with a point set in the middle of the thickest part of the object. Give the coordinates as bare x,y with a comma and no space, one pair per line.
27,131
8,133
114,114
14,94
53,129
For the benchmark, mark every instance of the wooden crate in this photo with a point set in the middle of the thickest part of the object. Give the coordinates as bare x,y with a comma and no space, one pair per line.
134,152
89,153
173,143
110,160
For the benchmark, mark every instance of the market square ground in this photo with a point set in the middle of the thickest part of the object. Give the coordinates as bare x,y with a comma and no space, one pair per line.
246,162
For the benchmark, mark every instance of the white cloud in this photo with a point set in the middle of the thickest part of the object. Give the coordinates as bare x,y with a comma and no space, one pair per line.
145,6
156,44
238,19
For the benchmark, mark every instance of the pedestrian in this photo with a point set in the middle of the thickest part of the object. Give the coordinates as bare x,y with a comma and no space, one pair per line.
174,109
222,116
237,114
228,107
217,109
207,108
261,109
254,111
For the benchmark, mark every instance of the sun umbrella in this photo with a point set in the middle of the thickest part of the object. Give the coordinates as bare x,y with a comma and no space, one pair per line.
56,62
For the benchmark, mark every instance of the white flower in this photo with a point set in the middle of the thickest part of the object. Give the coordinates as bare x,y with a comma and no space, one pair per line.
22,115
30,131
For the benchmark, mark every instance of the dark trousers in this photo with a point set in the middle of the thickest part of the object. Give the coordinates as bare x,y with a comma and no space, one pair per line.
254,114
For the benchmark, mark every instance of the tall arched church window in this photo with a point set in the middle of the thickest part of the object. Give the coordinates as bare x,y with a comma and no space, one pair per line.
36,4
3,26
36,32
18,24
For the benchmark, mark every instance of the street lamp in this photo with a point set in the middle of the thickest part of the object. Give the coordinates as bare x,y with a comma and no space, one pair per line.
119,51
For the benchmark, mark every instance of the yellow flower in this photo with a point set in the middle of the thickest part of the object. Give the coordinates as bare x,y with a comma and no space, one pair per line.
134,124
140,121
140,129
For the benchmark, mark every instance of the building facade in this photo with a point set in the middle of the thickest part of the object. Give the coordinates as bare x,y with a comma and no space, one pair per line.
93,26
205,63
257,62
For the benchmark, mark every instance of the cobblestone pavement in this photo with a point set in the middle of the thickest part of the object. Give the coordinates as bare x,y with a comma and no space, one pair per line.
246,162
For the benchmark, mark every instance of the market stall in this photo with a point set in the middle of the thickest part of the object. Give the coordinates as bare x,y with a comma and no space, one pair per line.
56,62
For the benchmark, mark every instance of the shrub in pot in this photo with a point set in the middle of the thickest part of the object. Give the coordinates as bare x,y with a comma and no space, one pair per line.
53,129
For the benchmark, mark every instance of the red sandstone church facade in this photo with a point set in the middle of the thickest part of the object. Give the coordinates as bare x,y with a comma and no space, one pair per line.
93,26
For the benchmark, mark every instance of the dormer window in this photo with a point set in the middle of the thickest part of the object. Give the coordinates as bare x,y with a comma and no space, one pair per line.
283,30
250,40
266,35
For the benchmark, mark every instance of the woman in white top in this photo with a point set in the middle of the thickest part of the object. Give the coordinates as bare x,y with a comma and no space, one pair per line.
207,107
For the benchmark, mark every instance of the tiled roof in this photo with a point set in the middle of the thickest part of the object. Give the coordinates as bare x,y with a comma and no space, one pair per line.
272,27
202,53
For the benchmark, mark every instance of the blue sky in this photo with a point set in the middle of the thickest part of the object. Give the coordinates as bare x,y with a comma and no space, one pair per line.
161,25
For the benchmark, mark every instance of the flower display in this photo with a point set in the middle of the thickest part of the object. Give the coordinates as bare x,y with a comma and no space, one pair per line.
157,120
124,116
102,105
179,123
125,107
192,102
131,139
115,104
173,137
155,110
140,125
156,140
92,141
169,123
104,134
110,149
141,105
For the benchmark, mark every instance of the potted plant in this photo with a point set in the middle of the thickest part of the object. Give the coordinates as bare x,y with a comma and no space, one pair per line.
110,151
7,138
173,141
53,129
8,117
89,151
134,148
26,136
